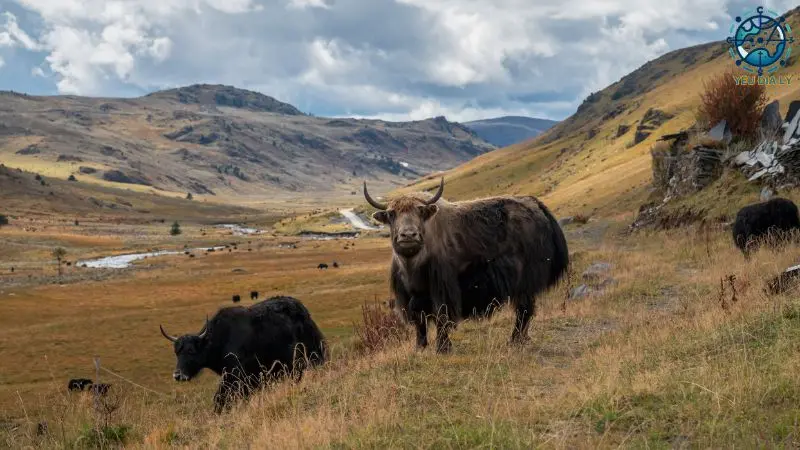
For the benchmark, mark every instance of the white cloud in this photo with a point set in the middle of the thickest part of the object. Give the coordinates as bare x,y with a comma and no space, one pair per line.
465,59
2,62
302,4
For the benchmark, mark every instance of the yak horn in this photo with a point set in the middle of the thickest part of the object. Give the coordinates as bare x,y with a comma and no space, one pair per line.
438,194
204,330
371,201
171,338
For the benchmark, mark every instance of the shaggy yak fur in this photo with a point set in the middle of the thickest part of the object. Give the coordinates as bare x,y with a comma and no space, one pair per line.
755,222
453,261
251,346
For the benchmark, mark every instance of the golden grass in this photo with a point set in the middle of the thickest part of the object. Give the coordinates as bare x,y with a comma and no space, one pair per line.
655,361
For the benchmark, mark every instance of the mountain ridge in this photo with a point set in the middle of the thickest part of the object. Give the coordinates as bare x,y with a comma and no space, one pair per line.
221,140
508,130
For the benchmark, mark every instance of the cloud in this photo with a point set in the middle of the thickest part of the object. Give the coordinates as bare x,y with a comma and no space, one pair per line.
397,59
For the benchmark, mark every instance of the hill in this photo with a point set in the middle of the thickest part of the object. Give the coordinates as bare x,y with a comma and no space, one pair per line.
508,130
597,160
218,140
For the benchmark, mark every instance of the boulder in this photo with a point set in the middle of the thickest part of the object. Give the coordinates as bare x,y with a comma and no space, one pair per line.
771,119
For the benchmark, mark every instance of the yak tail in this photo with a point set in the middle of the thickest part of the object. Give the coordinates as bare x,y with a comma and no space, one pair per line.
560,263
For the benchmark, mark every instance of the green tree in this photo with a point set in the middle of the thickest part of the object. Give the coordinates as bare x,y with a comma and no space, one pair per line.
59,254
176,229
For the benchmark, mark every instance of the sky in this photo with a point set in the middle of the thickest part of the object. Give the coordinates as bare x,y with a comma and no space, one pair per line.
389,59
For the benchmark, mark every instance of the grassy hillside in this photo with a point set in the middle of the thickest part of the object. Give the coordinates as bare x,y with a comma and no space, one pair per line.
219,141
508,130
590,161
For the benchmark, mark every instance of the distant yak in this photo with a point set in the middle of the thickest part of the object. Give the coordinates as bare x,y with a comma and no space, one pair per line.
322,266
78,384
335,265
250,346
452,261
773,219
253,295
236,298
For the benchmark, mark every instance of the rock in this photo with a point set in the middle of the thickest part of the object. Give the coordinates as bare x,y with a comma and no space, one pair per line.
117,176
721,132
238,270
794,108
785,281
622,129
580,292
565,221
767,193
87,170
791,128
596,271
771,119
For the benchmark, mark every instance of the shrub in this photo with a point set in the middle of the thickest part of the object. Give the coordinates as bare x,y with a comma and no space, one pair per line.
189,196
3,220
740,105
176,229
380,327
72,178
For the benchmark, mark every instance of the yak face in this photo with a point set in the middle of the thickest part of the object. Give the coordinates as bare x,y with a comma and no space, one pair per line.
407,227
406,217
190,350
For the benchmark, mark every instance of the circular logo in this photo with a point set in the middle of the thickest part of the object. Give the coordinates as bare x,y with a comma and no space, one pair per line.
760,41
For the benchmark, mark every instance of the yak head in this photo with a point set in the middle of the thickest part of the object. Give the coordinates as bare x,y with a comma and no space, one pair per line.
406,217
190,349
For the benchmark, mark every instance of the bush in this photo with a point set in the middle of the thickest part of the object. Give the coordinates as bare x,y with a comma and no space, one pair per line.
740,105
3,220
380,327
72,178
176,229
189,196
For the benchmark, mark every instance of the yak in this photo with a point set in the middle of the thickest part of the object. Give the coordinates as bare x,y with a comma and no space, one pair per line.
755,222
236,298
253,295
322,266
454,260
78,384
250,347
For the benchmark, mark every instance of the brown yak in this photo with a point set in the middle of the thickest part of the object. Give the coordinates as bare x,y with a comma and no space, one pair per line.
457,260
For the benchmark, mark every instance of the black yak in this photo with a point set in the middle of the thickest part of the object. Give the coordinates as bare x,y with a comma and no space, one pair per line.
322,266
236,298
463,259
335,265
253,295
251,346
78,384
755,222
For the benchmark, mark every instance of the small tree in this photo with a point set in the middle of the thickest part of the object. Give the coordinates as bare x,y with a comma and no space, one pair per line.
741,105
59,254
176,229
189,196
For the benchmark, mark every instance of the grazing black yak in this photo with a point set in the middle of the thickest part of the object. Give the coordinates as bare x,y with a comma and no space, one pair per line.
78,384
754,222
462,259
251,346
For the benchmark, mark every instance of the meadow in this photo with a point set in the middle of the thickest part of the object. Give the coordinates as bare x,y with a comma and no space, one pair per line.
665,356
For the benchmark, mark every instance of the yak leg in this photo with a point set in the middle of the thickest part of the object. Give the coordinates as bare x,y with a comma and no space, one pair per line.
223,394
525,310
420,321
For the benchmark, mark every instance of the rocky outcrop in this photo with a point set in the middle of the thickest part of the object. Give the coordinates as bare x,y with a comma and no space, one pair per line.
652,119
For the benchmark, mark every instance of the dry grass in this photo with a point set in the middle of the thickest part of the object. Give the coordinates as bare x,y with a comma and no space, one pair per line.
654,361
741,106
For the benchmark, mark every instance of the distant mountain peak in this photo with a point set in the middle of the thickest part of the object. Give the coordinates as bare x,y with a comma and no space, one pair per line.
223,95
